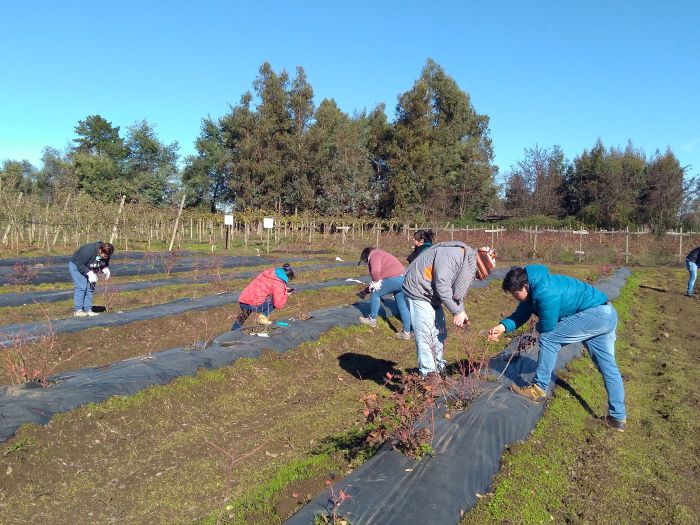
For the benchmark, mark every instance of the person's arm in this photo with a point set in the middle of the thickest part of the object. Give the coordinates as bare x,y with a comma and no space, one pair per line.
375,265
279,295
444,270
518,318
548,307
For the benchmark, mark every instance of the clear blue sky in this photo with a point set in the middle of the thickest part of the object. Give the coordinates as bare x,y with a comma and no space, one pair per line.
546,72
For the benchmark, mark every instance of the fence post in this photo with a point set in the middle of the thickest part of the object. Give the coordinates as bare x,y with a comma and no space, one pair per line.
177,221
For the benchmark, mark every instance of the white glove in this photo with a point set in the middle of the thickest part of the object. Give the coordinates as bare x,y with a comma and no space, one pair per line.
374,286
106,272
92,277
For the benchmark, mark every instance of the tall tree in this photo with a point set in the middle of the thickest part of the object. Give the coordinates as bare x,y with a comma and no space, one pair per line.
438,140
300,106
150,166
662,197
97,136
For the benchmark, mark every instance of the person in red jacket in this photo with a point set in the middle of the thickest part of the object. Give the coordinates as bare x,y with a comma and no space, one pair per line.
266,292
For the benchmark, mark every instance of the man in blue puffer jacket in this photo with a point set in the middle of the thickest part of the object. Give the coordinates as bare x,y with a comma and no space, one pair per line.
569,311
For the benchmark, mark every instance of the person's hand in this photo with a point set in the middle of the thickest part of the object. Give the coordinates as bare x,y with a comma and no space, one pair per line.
91,277
495,333
461,319
106,273
374,286
290,290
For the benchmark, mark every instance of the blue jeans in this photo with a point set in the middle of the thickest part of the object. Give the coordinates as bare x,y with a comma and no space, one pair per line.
391,285
265,308
693,270
82,295
430,330
595,327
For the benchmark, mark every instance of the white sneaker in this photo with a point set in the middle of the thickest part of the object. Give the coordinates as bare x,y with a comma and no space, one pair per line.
91,313
80,313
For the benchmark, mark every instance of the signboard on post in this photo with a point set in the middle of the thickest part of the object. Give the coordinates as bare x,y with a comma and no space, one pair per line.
268,224
228,220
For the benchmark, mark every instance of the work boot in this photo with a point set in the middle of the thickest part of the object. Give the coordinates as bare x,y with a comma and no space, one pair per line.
532,392
80,313
406,336
369,321
618,424
263,320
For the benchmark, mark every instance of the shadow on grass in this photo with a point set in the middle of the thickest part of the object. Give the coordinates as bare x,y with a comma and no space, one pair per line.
561,383
366,367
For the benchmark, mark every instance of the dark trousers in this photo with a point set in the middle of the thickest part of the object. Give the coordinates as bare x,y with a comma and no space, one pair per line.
265,308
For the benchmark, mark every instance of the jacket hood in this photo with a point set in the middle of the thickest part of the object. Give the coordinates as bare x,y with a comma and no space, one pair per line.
280,274
535,273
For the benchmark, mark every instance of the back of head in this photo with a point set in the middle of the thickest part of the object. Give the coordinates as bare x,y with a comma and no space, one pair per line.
106,248
424,235
288,271
364,256
515,279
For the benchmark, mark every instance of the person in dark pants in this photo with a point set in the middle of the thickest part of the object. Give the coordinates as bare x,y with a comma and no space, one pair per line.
691,263
569,311
266,292
422,240
87,262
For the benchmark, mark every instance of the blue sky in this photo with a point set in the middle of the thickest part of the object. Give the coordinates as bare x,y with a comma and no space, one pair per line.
546,72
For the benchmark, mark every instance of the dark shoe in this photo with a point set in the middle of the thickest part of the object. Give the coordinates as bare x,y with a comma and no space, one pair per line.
532,392
369,321
617,424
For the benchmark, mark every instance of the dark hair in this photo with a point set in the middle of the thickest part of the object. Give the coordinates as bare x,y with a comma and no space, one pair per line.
288,270
515,279
364,256
106,248
424,235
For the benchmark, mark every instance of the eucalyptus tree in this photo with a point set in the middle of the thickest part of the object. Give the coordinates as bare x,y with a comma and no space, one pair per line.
440,156
150,167
342,175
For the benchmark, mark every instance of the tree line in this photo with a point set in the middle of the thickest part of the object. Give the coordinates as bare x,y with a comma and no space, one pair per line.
276,150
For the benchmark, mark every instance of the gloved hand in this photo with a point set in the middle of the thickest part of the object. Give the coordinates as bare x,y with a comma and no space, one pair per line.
106,273
91,277
290,290
374,286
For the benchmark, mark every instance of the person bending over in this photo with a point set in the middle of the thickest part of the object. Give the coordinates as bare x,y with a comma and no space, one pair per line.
387,278
85,265
266,292
441,275
569,311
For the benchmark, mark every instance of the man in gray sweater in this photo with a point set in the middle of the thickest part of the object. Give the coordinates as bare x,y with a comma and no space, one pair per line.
441,275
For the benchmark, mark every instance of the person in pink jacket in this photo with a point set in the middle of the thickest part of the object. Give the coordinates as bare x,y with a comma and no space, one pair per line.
387,277
266,292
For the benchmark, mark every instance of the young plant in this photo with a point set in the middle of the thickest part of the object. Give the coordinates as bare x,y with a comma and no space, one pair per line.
401,417
332,515
22,275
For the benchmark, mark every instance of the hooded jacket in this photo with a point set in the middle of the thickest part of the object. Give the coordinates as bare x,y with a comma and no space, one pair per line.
442,274
271,282
86,259
552,297
694,255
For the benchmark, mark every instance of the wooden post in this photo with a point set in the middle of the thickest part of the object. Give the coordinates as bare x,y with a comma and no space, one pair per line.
534,244
177,221
680,246
377,227
627,245
116,221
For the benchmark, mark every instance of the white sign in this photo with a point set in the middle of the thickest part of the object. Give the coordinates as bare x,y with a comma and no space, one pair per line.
228,220
268,222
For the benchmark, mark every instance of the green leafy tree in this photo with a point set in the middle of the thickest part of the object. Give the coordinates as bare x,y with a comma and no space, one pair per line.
150,167
97,136
662,197
18,176
440,156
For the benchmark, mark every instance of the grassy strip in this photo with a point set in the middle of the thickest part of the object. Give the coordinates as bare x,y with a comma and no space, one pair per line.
575,470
